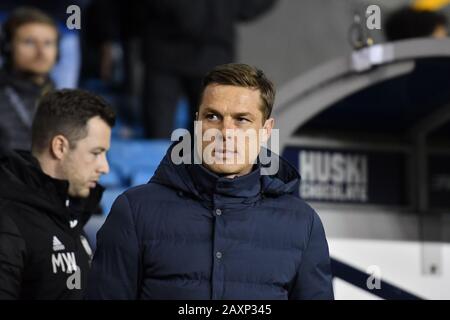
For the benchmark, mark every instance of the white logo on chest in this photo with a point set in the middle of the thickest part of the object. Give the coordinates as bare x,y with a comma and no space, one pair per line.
62,261
57,245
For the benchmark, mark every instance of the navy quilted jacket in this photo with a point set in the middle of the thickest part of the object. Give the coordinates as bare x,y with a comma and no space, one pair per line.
190,234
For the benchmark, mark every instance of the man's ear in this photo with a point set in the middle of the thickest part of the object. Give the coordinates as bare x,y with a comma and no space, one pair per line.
267,129
59,147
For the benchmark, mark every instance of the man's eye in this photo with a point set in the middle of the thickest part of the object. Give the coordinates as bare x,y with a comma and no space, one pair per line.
28,42
50,43
243,120
212,116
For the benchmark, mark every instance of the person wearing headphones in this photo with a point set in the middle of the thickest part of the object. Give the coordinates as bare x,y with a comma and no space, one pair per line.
29,49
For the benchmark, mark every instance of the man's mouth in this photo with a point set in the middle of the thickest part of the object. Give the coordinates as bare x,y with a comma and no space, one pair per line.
224,153
93,184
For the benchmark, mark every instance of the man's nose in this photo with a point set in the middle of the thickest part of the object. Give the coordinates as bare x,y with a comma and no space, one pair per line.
40,48
104,165
228,127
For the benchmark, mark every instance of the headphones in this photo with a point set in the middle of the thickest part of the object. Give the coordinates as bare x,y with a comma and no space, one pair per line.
5,47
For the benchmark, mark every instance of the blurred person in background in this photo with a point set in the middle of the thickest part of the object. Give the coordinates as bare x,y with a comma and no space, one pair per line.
65,74
407,23
110,63
48,195
29,47
175,42
182,40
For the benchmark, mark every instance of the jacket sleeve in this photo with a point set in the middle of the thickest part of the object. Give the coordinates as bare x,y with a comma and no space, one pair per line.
12,258
115,268
313,280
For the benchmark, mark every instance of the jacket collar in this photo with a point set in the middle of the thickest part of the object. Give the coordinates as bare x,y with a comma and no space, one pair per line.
196,181
211,184
22,180
22,83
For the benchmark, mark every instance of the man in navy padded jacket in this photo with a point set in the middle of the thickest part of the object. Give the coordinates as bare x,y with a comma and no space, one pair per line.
224,227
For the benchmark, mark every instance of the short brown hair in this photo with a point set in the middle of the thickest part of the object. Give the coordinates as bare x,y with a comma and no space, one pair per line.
243,75
67,112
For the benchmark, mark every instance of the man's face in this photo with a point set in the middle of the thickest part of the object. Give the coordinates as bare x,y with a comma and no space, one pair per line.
233,111
83,165
34,48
